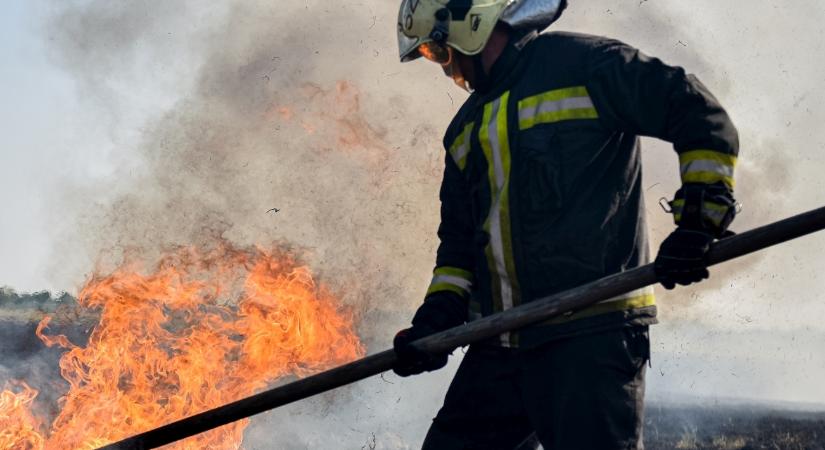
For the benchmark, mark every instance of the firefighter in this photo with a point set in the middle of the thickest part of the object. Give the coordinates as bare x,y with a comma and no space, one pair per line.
542,192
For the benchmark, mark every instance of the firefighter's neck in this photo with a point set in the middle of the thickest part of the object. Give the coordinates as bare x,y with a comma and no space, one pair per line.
495,46
489,55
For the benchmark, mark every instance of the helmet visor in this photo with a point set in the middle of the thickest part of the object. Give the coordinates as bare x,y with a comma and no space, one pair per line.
407,46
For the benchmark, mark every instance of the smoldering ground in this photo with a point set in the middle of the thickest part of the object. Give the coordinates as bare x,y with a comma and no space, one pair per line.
220,113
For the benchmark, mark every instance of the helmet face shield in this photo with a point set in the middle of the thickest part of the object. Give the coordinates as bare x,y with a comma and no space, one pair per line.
407,46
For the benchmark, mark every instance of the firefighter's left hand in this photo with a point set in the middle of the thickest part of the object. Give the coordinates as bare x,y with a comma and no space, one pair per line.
410,360
440,311
682,258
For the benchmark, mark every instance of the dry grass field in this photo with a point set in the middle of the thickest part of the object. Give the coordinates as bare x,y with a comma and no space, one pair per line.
733,427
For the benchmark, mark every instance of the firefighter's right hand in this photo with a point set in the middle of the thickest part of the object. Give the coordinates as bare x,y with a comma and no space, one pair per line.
682,258
410,360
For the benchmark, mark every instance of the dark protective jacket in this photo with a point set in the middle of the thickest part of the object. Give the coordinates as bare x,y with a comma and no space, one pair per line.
542,187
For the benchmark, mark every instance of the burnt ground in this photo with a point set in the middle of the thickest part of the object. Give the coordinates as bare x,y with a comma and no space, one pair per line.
738,426
722,425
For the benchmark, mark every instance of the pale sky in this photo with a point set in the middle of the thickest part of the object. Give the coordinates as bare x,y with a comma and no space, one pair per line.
47,137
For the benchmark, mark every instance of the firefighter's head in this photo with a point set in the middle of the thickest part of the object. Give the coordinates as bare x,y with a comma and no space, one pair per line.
454,33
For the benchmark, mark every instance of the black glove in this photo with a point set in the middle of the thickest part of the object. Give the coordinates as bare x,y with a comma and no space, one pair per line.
702,213
440,311
682,258
410,360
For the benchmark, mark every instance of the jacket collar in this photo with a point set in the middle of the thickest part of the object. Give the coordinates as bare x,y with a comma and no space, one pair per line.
507,68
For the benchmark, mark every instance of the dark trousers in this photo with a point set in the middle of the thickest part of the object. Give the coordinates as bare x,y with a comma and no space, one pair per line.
584,392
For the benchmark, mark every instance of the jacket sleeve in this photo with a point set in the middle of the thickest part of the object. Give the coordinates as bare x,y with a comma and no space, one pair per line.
455,258
638,94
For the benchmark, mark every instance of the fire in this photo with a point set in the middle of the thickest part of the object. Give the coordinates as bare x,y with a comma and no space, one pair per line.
18,427
202,328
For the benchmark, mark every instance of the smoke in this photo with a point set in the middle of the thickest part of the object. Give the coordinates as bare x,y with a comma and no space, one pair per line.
286,132
220,113
22,354
273,119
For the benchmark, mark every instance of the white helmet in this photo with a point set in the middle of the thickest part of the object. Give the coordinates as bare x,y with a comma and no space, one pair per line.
431,28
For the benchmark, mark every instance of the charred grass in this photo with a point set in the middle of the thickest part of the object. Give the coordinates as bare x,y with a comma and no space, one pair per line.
733,427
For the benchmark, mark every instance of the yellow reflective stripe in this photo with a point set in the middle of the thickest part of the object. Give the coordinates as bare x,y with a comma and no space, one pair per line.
460,148
555,106
707,166
680,203
553,96
708,178
609,306
558,116
484,140
711,211
440,287
454,271
494,139
453,279
506,229
645,292
707,155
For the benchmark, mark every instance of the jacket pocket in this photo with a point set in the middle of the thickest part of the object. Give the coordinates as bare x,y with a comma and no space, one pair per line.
540,178
636,343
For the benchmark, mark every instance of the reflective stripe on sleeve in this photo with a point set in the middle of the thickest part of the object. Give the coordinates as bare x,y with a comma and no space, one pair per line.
710,211
707,166
452,279
460,148
494,139
555,106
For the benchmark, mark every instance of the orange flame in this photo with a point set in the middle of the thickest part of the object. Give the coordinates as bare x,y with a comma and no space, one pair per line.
18,427
50,341
201,329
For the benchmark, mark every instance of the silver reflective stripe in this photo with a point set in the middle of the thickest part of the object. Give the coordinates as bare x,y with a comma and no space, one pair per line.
716,213
460,147
529,112
454,280
461,151
498,165
496,239
706,165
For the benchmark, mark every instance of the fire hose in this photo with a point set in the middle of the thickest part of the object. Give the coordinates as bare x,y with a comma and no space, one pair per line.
519,317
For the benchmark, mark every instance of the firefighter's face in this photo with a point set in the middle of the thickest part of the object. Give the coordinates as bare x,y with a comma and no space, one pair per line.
461,71
456,65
